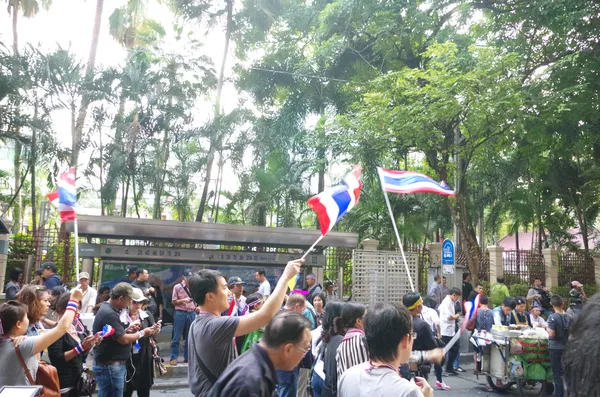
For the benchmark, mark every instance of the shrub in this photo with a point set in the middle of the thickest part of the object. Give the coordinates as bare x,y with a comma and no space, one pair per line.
518,290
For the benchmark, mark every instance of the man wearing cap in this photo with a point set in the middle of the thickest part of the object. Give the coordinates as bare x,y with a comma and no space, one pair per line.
111,355
519,315
314,288
130,276
539,296
52,280
236,286
185,313
89,294
576,299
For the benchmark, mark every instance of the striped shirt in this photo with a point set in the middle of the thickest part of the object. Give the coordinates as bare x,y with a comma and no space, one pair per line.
352,351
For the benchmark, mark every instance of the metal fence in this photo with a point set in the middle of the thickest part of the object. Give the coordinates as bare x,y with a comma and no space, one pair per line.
521,267
338,260
575,266
484,264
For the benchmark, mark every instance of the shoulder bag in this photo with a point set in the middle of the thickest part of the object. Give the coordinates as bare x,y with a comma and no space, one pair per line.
86,386
46,376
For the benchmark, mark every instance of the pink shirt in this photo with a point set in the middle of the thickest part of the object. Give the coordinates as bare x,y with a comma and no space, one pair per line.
179,294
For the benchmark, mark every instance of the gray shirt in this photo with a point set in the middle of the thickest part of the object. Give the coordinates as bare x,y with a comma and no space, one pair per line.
378,382
211,339
11,370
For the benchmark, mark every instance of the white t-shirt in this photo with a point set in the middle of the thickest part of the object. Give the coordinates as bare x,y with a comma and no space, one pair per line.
538,322
265,288
89,300
358,382
431,317
447,309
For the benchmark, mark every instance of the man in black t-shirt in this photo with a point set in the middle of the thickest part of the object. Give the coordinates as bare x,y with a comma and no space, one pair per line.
111,355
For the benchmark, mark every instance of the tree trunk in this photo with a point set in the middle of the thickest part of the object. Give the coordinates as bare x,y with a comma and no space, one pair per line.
468,237
32,159
18,203
163,158
15,19
117,149
215,139
85,99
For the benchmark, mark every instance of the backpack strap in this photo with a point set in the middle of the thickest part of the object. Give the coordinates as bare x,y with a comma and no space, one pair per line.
25,368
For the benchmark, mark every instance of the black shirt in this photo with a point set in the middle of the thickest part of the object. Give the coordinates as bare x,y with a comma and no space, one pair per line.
424,339
330,367
110,349
69,372
251,375
466,290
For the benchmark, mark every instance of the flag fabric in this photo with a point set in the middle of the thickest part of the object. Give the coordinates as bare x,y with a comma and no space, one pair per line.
471,309
65,198
107,331
331,204
232,307
410,182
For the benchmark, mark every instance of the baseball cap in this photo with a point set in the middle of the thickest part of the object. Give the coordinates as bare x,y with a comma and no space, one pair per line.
520,301
576,284
187,273
137,295
122,289
235,281
84,275
51,266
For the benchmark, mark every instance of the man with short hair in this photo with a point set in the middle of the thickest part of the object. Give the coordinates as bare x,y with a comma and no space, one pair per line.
539,296
210,343
445,288
51,279
287,385
285,342
536,318
265,287
499,292
184,315
502,312
111,355
448,317
141,282
477,289
314,288
89,294
435,290
389,335
130,276
236,286
558,331
467,287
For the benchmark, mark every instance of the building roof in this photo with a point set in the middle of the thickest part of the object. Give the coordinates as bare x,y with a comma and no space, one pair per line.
528,240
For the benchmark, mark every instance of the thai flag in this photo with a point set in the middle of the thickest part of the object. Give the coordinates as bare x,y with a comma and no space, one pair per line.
107,331
331,204
65,198
410,182
471,309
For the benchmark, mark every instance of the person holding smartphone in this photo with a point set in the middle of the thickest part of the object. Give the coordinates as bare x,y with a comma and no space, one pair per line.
185,313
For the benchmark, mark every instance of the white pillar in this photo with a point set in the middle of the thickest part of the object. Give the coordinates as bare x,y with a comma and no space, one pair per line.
3,259
551,265
496,263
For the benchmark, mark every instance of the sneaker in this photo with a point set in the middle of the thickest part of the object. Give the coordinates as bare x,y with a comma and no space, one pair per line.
173,362
442,386
451,373
459,369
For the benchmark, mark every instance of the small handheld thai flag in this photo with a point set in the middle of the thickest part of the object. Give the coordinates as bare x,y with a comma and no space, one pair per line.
331,204
471,309
107,331
410,182
232,306
65,198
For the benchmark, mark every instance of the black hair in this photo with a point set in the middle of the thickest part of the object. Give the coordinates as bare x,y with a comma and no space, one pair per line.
478,285
202,283
537,278
261,272
55,293
465,276
444,278
429,301
509,302
500,280
139,271
351,312
38,272
386,324
580,358
556,300
333,310
410,299
61,303
286,327
328,283
484,300
15,273
455,291
102,289
11,313
251,299
322,296
437,277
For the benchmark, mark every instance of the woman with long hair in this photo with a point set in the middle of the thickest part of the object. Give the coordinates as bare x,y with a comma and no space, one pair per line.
319,305
140,368
353,349
331,337
35,298
253,303
14,324
67,353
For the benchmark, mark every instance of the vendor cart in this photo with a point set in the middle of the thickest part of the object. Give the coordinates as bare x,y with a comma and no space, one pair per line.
515,359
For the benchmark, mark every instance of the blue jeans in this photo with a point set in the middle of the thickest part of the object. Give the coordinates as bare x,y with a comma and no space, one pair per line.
110,380
288,382
557,371
316,385
181,325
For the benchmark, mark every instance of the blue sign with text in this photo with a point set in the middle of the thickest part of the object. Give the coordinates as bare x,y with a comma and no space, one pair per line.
447,252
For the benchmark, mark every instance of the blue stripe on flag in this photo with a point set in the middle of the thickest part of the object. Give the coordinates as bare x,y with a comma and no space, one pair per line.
342,199
66,197
405,180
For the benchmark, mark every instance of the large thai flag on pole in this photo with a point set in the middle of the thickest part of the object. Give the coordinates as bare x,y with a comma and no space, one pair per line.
410,182
331,204
65,198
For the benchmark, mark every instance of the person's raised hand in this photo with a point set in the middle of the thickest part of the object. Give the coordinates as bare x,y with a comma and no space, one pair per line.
76,294
435,356
424,386
292,268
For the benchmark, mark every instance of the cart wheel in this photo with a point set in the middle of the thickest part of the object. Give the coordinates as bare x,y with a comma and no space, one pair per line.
549,388
531,388
497,384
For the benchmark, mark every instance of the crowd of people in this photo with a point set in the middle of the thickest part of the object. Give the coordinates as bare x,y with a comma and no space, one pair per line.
276,342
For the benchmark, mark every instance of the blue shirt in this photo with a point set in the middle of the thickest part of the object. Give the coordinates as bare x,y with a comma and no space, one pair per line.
52,281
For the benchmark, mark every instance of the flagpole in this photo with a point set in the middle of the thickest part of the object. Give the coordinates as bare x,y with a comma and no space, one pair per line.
76,230
387,201
312,247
